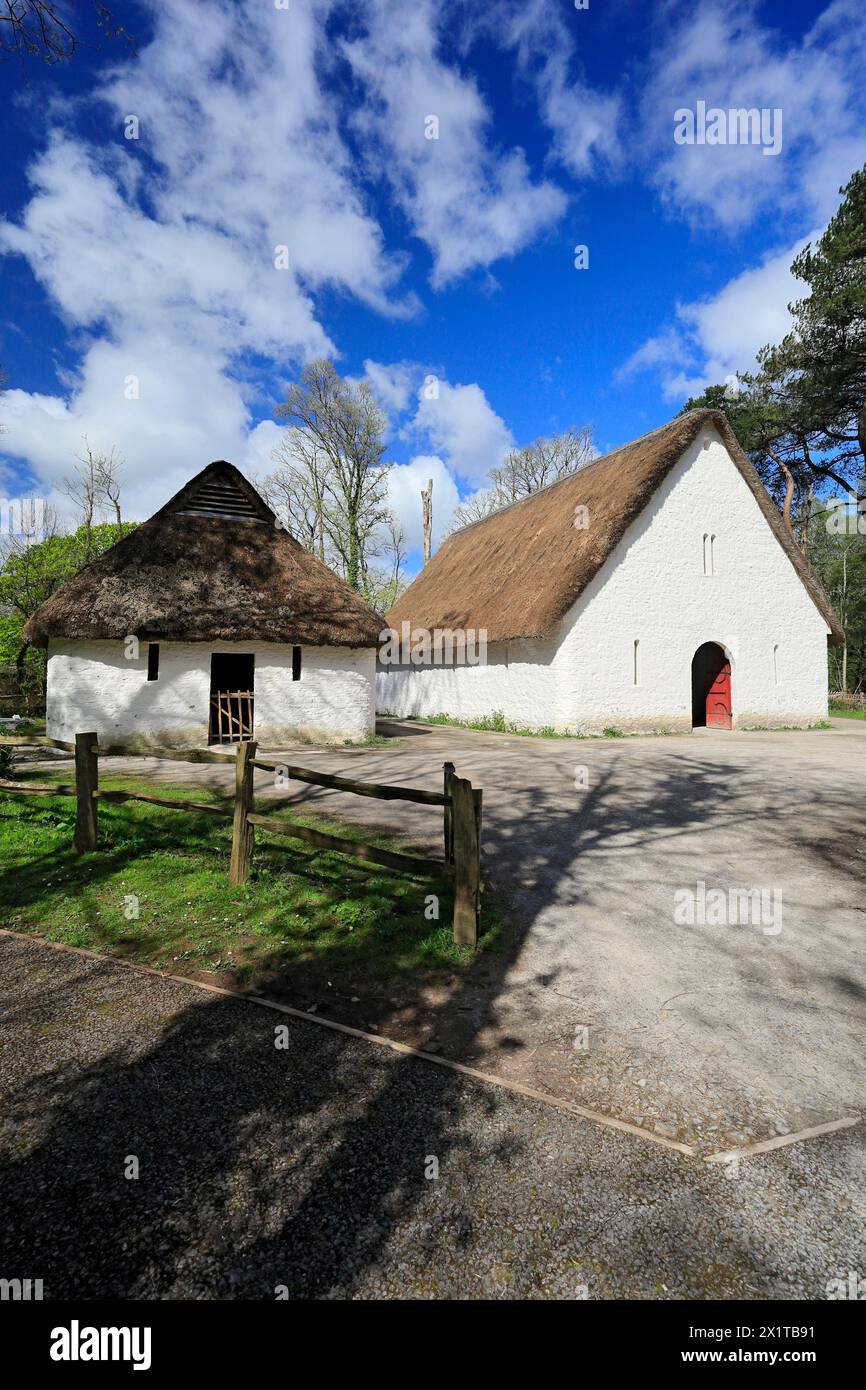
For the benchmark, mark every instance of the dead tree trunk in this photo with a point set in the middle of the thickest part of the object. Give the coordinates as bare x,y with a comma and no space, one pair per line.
427,518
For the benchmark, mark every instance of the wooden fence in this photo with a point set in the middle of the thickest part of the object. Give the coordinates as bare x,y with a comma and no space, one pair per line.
461,803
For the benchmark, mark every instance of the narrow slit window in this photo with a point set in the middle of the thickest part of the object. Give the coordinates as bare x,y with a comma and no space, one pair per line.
153,661
776,664
636,663
712,554
296,663
706,553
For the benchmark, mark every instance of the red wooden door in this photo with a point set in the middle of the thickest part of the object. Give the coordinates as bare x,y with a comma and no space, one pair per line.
719,700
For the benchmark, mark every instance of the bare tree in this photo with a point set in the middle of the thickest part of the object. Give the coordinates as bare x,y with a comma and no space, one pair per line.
384,584
82,487
527,470
477,507
109,468
16,543
95,482
297,489
30,571
336,446
544,461
45,30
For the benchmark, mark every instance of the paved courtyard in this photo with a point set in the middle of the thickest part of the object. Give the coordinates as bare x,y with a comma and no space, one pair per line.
716,1035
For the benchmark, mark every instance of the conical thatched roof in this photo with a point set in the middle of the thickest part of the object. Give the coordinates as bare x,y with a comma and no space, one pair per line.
518,572
211,565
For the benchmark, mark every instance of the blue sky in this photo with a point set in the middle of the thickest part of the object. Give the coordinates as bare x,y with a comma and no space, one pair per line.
151,260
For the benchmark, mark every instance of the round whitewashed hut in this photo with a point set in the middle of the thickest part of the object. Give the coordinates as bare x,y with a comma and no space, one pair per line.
208,624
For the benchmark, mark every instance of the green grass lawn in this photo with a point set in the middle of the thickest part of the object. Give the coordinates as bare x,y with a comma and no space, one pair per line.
838,713
305,916
496,723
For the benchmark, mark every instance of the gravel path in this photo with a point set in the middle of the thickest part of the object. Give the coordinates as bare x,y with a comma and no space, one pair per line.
304,1168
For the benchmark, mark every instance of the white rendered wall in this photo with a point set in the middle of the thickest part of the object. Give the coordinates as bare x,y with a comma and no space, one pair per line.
518,679
92,686
653,589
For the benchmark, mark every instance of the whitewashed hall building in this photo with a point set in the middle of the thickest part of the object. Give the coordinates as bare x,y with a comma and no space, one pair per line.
208,624
656,588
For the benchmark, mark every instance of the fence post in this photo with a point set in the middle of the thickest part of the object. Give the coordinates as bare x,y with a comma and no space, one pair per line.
86,783
448,819
467,862
242,831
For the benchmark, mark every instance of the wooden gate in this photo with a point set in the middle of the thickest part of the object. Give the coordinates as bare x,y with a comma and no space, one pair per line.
231,716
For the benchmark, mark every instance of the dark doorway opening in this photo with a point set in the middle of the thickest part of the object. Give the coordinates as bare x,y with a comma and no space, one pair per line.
711,688
232,676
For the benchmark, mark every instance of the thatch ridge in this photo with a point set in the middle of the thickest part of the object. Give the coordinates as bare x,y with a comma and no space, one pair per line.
187,578
518,572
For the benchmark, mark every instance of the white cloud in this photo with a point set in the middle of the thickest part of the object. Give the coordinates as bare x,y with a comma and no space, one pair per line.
722,55
468,202
163,249
249,142
748,313
393,382
585,121
667,346
163,440
716,337
257,459
461,424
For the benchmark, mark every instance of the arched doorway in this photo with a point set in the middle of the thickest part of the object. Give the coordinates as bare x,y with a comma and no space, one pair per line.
711,688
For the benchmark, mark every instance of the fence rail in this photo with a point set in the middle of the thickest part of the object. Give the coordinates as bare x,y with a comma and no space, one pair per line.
123,750
45,788
461,804
38,739
178,755
409,863
205,806
348,784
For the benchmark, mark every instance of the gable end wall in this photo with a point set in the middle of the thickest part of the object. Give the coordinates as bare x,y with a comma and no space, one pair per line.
653,589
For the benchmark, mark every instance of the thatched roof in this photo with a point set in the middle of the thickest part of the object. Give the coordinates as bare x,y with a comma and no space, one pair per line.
518,572
211,565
